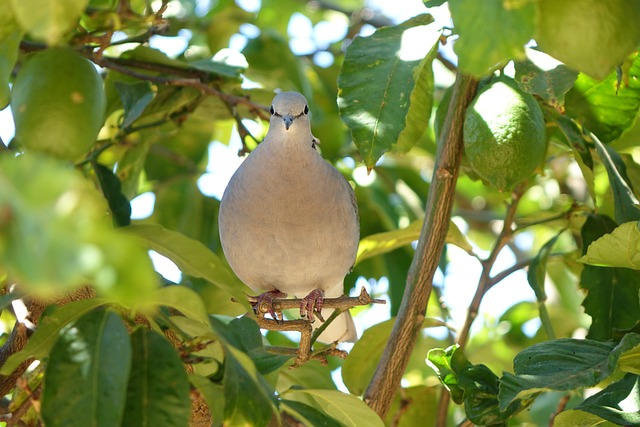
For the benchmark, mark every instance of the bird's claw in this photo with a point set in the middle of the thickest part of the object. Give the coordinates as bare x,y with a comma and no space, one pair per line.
311,304
264,304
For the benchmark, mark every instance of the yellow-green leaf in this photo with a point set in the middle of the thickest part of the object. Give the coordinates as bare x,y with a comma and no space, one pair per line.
621,248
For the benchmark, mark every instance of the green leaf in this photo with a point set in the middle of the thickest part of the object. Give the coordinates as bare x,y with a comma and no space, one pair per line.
618,402
183,299
44,338
433,3
249,400
562,364
112,189
612,293
347,409
492,32
385,242
135,97
538,268
191,257
625,201
363,358
550,85
308,415
630,361
620,248
573,418
580,148
87,372
603,108
244,334
10,36
418,406
420,102
440,360
158,390
48,21
374,112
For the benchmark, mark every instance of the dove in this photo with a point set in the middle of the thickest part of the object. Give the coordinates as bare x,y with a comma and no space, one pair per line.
288,219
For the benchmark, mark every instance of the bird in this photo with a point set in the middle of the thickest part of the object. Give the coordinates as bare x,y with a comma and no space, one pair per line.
288,220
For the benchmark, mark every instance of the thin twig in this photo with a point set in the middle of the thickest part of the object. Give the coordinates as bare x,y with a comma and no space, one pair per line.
561,407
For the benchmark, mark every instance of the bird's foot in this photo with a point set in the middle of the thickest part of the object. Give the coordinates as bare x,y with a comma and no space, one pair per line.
311,304
264,304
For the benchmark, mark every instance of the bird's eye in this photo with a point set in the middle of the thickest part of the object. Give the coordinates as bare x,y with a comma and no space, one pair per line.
306,109
271,110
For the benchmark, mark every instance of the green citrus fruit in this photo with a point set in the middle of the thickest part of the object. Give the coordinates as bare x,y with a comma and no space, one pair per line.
592,36
58,103
504,134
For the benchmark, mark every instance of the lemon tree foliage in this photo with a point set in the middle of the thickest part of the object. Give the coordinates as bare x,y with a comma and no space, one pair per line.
111,99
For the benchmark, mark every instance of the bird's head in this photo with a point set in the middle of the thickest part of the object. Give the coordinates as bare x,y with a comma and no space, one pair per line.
290,110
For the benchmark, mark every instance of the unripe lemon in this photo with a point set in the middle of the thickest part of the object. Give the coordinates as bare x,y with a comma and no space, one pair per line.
58,103
504,134
592,36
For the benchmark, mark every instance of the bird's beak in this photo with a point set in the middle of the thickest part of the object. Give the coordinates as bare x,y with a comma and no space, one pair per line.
288,120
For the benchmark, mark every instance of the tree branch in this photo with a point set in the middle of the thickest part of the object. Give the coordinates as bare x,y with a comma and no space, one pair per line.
393,363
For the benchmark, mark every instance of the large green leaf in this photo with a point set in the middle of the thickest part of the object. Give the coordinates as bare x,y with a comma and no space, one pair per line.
191,257
87,372
612,293
618,402
620,248
492,32
602,107
183,299
307,414
375,85
563,364
158,390
349,410
48,21
45,336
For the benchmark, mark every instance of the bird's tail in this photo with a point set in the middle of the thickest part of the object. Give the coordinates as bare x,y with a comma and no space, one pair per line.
340,329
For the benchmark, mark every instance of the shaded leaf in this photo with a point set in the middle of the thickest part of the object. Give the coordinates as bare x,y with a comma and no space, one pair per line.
87,372
10,36
191,257
158,390
492,32
550,85
618,402
620,248
213,395
581,152
347,409
112,189
48,21
135,97
418,406
562,364
597,106
374,112
612,293
538,268
244,334
249,399
44,338
625,201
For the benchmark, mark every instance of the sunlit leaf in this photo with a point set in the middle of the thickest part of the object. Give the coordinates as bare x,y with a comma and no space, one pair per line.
374,112
48,21
618,402
348,409
10,35
620,248
182,299
309,415
491,33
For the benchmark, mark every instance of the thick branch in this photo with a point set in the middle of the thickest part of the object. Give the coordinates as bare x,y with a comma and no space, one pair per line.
386,379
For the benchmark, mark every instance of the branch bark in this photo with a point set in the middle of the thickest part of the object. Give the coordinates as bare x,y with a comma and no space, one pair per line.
395,357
